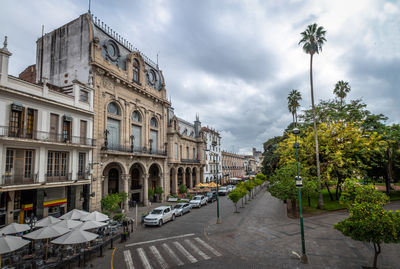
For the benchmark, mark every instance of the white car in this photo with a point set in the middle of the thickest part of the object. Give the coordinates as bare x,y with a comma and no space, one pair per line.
223,191
198,201
159,216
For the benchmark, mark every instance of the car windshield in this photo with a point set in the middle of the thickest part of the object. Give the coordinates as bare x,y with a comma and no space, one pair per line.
178,206
197,198
157,212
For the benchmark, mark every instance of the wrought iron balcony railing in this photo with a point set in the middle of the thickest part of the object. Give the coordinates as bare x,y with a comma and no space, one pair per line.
130,149
10,179
23,133
190,161
59,177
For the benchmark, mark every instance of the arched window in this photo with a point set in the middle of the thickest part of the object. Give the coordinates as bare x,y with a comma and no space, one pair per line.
136,116
113,109
135,69
153,123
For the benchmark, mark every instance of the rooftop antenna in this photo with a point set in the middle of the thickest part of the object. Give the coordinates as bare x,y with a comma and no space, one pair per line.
89,6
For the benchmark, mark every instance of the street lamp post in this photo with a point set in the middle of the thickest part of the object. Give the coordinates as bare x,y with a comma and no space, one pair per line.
299,185
214,144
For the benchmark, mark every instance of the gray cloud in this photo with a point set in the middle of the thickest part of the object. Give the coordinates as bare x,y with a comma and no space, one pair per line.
234,62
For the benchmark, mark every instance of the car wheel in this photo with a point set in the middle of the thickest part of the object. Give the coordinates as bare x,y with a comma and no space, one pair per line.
160,223
173,217
199,205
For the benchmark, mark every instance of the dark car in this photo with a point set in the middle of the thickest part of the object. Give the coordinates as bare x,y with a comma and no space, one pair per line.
212,196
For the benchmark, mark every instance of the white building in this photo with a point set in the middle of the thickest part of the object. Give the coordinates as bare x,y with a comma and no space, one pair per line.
45,146
213,155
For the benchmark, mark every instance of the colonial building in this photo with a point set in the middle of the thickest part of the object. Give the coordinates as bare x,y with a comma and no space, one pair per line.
46,144
213,167
186,157
233,165
130,104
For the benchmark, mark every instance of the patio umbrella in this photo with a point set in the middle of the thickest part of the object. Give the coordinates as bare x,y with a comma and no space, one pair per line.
14,228
74,214
48,221
46,233
91,224
9,243
212,185
95,215
68,223
75,237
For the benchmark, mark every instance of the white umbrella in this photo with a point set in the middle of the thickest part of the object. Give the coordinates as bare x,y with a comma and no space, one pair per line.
48,221
9,243
75,237
68,223
91,224
74,214
46,233
14,228
95,215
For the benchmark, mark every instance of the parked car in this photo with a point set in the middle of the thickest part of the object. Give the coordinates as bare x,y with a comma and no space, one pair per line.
198,201
182,208
223,191
212,196
229,188
159,216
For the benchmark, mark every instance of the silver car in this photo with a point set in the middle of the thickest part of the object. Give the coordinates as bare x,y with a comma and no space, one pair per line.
182,208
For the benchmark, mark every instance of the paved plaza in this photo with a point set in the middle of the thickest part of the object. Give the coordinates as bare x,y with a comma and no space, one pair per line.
260,236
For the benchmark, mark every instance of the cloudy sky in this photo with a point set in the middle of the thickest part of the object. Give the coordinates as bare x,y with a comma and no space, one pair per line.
234,62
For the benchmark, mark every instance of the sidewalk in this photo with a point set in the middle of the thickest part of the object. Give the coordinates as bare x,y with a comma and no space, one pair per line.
263,234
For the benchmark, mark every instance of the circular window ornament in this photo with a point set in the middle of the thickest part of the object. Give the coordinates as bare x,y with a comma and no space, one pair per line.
152,77
111,49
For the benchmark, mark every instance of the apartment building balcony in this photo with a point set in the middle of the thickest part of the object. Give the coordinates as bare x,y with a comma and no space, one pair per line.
34,135
11,179
58,177
133,150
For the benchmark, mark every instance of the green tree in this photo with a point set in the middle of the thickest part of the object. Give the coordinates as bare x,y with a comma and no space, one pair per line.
368,221
312,40
236,195
112,203
342,88
293,103
159,191
271,156
182,188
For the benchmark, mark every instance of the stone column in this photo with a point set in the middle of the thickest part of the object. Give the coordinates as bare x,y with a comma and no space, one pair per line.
163,186
145,190
190,179
125,179
197,176
175,182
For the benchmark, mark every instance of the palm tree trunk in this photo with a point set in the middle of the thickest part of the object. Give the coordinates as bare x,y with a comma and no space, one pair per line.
320,197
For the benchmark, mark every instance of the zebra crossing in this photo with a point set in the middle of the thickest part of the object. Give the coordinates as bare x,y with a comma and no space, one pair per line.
169,254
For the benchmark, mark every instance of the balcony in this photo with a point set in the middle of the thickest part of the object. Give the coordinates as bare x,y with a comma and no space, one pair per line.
83,175
6,131
9,179
58,178
190,161
130,149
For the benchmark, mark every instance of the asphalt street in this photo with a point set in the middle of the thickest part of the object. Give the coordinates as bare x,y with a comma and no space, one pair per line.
260,236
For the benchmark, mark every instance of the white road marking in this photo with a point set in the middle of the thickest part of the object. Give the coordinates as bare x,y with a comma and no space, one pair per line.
156,240
128,259
207,246
159,258
197,250
144,259
185,252
172,254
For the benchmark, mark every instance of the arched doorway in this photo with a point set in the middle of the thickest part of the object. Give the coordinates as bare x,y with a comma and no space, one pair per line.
154,179
136,183
194,171
187,177
113,181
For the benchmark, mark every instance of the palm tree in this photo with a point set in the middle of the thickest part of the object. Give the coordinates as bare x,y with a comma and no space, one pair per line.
293,103
342,88
312,40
